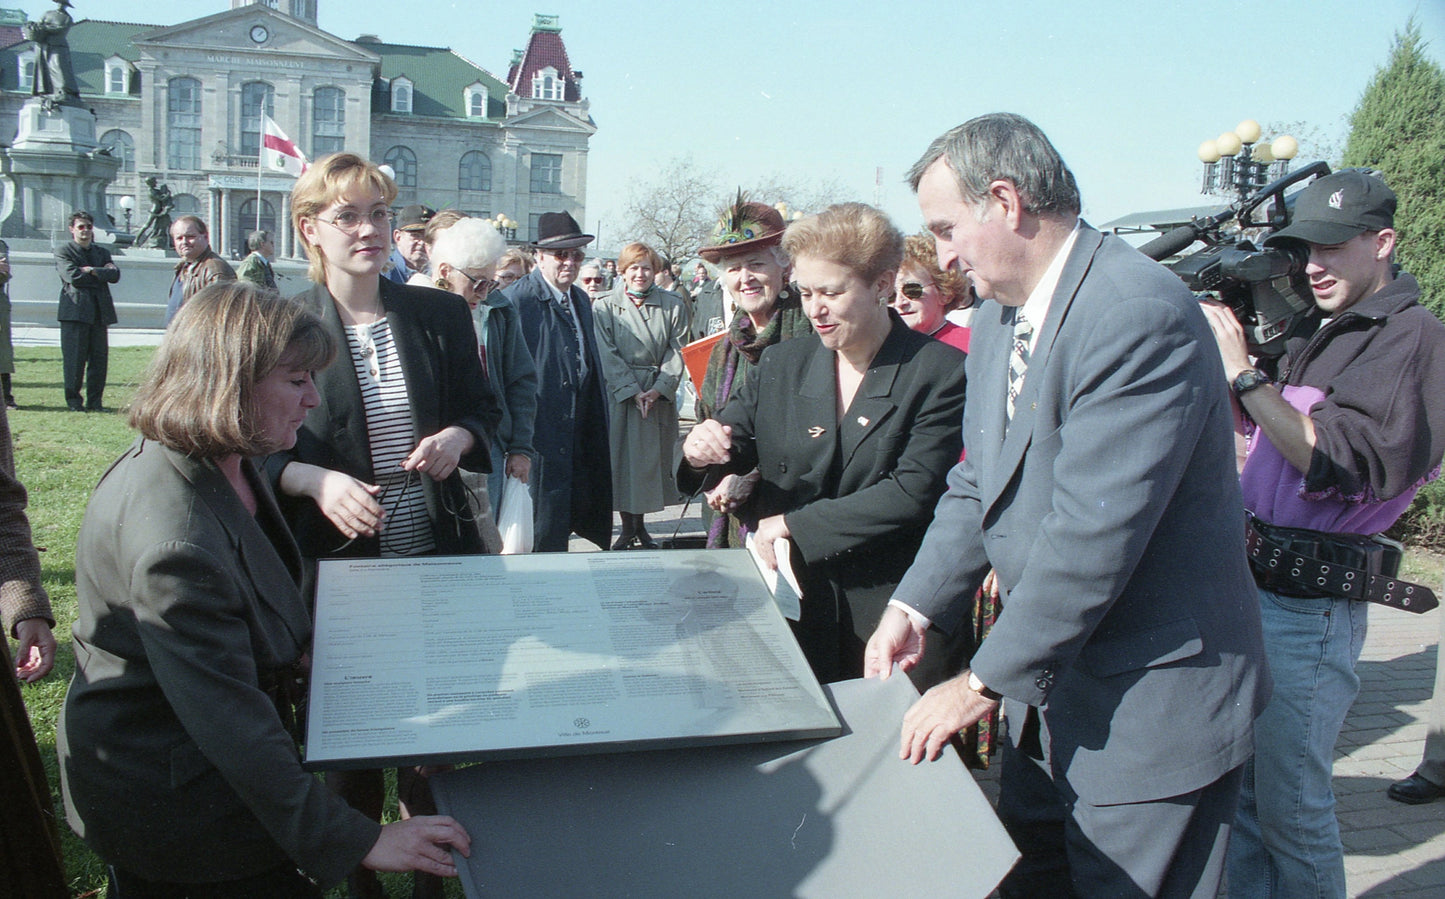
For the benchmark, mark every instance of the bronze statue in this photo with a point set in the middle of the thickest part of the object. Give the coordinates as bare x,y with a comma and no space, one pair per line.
54,74
156,232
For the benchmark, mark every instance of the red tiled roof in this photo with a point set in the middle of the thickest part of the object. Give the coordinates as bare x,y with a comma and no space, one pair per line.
545,48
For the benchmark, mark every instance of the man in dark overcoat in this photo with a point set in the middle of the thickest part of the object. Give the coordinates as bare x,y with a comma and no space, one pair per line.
572,484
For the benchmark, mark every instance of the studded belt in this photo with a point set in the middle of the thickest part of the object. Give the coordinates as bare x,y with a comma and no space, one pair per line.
1304,563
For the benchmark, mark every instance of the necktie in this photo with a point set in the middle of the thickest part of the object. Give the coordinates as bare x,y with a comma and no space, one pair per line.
576,326
1018,360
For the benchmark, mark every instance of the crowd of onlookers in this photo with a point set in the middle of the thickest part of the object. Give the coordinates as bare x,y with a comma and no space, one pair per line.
1060,521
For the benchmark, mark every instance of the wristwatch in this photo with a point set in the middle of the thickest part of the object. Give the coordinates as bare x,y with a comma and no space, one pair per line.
1248,380
977,686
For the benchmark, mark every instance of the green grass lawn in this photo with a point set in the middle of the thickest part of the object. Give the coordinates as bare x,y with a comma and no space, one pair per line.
59,456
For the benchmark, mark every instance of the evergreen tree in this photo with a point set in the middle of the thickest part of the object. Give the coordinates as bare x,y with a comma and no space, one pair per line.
1399,128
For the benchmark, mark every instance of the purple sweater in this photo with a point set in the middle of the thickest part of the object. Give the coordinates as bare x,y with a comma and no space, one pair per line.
1370,381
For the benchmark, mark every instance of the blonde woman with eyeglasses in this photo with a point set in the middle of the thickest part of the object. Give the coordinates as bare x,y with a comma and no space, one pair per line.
374,469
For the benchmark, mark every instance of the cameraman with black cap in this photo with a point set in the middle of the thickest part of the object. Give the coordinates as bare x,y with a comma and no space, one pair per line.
1342,430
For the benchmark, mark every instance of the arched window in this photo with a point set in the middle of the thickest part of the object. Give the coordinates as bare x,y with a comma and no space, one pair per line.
122,147
116,81
476,102
257,97
403,161
183,124
26,71
401,95
328,121
475,171
546,85
246,223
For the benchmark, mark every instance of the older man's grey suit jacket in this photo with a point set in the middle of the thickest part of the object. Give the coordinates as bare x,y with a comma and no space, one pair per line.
1110,508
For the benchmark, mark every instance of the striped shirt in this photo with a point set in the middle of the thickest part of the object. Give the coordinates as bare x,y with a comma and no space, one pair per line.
407,530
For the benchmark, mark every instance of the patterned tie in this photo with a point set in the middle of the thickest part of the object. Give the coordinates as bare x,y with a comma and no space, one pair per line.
1018,360
575,323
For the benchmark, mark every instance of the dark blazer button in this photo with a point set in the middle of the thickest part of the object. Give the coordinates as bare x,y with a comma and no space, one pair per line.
1043,683
782,466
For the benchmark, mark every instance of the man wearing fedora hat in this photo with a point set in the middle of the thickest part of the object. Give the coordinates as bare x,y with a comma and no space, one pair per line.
1343,430
572,484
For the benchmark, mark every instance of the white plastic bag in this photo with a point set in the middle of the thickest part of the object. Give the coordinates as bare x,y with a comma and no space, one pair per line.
514,519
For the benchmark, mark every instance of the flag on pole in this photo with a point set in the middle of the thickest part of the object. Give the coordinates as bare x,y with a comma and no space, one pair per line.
278,153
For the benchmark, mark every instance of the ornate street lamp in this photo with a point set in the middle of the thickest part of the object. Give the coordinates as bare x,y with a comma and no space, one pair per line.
127,205
1236,162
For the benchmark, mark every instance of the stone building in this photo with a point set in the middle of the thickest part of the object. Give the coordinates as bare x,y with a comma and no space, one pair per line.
183,102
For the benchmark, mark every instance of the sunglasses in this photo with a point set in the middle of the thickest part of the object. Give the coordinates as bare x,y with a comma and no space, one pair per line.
573,255
912,289
592,280
480,286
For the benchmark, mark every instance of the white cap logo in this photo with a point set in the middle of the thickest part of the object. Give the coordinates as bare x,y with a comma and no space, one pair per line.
1337,199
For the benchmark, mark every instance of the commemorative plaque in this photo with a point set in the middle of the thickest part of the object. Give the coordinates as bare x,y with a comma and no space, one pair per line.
459,658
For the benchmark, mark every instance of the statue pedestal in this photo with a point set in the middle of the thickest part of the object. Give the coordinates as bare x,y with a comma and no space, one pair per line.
69,128
52,170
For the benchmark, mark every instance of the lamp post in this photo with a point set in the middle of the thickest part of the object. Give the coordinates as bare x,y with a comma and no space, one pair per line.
507,226
127,205
1237,162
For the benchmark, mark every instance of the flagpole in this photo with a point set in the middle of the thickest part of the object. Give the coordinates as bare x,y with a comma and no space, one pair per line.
260,152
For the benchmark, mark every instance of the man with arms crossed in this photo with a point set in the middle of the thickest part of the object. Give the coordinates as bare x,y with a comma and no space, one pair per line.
85,312
1100,485
1338,447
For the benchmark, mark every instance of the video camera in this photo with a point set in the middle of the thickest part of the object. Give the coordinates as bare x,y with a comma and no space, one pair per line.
1265,287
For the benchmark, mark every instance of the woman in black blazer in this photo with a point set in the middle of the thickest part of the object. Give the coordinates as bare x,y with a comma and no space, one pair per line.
852,429
406,405
176,763
374,469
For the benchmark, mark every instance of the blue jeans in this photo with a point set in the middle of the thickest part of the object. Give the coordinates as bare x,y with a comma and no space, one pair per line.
1286,838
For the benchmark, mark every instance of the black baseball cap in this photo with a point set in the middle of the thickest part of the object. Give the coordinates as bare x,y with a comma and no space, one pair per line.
1337,207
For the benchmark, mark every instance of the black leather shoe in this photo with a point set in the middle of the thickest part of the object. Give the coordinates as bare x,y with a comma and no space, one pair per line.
1414,790
625,542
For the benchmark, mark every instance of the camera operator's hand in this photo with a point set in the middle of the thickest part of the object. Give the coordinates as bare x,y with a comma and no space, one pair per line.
1290,430
1229,334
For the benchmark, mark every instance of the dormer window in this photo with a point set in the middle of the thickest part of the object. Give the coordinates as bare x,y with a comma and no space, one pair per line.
26,73
475,99
117,76
546,85
401,89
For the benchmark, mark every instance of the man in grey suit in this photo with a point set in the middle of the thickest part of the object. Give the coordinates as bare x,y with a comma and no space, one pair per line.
1100,484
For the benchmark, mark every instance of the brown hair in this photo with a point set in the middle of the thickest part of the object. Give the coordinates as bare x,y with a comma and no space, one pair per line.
196,220
920,251
517,254
439,222
198,394
637,252
324,182
854,235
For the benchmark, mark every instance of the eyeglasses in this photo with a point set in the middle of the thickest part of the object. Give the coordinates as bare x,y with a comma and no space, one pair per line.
567,255
598,280
350,221
480,286
912,289
407,481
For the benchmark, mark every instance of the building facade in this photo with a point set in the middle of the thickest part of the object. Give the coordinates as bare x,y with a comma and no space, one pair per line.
184,102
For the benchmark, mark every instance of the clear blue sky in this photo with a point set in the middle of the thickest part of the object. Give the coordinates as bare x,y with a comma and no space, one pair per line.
1127,89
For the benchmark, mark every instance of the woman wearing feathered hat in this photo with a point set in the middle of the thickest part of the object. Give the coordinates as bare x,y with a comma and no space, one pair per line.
753,271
